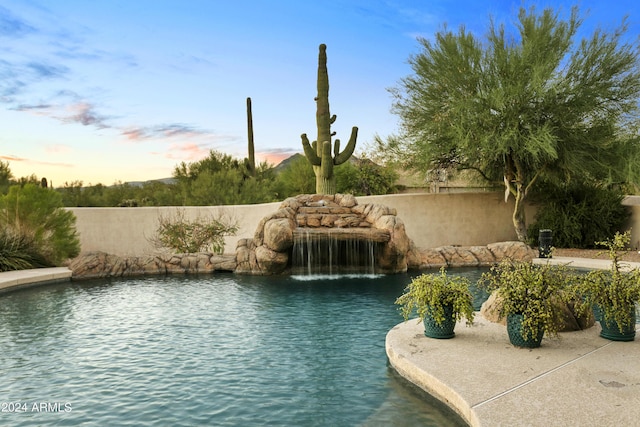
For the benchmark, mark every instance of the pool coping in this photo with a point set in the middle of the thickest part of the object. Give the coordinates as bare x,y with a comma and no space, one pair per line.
20,279
576,379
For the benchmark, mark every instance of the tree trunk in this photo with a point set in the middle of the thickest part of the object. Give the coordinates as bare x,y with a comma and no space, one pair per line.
519,218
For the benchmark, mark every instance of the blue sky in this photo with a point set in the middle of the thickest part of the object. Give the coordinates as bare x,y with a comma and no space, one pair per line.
110,90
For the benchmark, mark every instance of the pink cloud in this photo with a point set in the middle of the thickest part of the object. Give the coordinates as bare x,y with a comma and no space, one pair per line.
187,151
85,114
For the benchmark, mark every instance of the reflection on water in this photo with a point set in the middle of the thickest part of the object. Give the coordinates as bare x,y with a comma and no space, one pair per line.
220,350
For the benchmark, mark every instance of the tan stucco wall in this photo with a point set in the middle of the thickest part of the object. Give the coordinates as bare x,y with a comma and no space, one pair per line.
633,202
431,220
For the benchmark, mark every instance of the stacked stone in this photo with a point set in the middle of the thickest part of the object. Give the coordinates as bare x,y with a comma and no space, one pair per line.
268,251
100,264
469,256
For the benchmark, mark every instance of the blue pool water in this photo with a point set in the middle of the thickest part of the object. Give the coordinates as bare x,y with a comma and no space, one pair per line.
220,350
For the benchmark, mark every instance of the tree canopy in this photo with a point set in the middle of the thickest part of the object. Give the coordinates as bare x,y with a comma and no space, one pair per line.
523,106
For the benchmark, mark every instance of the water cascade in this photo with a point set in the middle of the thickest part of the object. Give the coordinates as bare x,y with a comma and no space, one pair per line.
332,253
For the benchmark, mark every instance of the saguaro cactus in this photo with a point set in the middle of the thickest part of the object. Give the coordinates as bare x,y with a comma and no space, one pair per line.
251,161
319,152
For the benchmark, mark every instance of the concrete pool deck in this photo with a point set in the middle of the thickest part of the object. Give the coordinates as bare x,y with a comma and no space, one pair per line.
576,379
13,280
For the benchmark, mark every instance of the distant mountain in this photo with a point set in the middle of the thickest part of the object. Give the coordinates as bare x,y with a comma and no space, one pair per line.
286,162
141,183
278,168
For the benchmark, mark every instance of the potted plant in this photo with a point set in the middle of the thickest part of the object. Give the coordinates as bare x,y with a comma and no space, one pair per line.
440,301
613,294
531,297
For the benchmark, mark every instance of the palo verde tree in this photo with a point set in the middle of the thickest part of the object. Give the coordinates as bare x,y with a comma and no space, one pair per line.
522,106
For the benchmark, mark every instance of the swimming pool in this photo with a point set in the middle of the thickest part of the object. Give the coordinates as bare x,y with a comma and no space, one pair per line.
223,350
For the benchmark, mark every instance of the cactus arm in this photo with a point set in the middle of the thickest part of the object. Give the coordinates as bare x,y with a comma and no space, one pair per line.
348,150
310,151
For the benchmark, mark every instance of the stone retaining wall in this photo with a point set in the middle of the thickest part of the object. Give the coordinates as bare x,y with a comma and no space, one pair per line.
99,264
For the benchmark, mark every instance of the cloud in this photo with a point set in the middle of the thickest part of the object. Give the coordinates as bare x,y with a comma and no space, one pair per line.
12,26
45,70
34,162
12,158
176,130
85,114
16,77
77,112
187,151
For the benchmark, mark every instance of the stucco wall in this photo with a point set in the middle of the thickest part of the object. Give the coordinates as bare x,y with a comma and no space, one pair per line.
633,202
431,220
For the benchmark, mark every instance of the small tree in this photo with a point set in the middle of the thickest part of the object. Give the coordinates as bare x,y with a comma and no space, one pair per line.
519,106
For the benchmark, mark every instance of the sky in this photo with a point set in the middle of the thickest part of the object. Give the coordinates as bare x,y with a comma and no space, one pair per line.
108,91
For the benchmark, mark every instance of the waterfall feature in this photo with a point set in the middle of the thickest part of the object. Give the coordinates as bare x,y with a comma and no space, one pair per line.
326,234
331,253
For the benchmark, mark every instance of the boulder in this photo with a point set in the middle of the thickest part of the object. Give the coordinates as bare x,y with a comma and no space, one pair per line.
269,261
278,234
571,321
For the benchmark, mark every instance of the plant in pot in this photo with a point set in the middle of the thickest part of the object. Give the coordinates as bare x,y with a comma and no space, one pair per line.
440,301
531,297
612,294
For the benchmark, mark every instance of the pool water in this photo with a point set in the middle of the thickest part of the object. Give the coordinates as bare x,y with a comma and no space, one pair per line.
215,350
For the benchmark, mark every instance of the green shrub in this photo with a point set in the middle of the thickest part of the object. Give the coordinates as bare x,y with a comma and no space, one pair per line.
19,252
190,236
37,214
362,177
579,215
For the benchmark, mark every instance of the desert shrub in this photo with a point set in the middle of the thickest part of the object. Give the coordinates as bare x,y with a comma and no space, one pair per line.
19,252
37,214
202,234
362,177
578,214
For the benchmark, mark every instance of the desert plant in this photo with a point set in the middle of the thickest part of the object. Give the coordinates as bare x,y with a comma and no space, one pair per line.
319,152
537,292
183,235
429,294
37,214
19,252
614,291
579,214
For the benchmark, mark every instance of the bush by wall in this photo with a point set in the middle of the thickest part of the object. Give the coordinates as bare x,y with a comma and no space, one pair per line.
34,222
579,214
